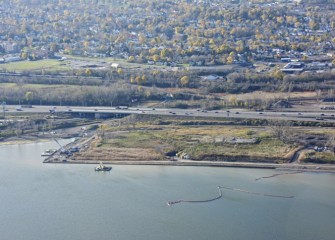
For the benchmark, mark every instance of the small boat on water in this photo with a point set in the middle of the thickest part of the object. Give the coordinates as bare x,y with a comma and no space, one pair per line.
48,152
102,168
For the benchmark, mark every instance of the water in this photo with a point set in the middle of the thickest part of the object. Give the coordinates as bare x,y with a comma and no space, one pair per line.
63,201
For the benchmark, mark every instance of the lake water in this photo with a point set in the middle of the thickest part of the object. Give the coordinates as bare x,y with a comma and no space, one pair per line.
64,201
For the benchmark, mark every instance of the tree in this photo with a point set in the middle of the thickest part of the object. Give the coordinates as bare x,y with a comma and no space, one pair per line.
131,59
184,81
88,72
132,79
54,47
231,58
155,58
119,71
138,80
232,100
163,53
24,55
281,130
28,96
278,75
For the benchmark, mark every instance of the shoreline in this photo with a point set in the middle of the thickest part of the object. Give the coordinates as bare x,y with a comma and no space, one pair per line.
285,166
308,167
24,141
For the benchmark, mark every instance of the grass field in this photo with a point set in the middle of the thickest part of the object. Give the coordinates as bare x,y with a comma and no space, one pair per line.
319,157
34,86
199,142
47,64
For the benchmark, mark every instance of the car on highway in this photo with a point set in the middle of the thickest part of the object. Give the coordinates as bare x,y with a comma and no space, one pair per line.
121,107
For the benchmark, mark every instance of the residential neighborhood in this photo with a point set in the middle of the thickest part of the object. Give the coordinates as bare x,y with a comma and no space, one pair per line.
147,50
198,33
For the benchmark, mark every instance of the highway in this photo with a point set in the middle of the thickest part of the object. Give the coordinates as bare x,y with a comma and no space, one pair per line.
314,116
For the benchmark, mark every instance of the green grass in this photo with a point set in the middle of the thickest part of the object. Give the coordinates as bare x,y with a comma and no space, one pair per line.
47,64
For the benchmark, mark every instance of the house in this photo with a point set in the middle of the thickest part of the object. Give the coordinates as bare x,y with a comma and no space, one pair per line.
115,65
211,77
318,66
285,59
293,67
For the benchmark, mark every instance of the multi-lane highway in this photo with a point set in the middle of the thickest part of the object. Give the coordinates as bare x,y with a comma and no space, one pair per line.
315,116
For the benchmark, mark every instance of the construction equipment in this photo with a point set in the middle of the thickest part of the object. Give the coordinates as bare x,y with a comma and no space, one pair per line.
62,149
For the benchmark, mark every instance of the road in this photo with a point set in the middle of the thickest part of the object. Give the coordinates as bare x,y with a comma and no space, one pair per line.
313,116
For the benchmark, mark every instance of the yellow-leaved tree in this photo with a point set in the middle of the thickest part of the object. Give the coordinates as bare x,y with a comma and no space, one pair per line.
184,81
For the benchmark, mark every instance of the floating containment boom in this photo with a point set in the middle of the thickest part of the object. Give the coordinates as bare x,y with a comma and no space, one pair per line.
169,203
